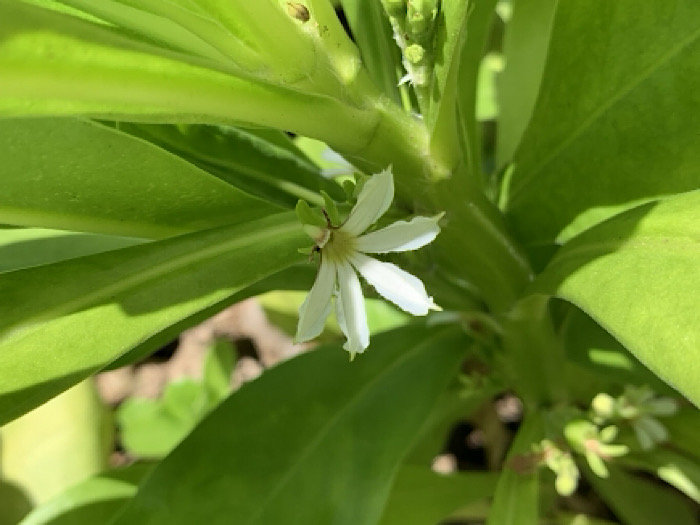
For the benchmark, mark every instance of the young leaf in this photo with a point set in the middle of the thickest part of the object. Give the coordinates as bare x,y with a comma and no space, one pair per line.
373,35
285,450
525,47
637,276
78,175
262,163
614,125
478,25
104,305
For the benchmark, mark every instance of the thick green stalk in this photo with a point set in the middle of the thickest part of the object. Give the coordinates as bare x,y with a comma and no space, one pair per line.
533,358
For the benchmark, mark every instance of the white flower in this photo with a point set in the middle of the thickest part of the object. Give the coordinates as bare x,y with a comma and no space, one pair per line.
343,250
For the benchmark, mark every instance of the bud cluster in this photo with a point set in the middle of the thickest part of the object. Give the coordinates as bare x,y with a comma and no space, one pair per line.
640,407
413,22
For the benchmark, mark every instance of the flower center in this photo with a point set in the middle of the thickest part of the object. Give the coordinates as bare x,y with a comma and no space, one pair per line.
340,246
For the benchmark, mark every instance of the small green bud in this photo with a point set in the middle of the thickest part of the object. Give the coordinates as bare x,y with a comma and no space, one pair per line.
307,215
415,53
565,483
608,434
579,431
603,405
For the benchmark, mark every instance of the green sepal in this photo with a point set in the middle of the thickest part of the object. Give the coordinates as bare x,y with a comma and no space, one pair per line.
307,215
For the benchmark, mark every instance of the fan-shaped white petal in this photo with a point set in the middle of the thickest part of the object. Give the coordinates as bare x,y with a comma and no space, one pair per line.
317,305
350,307
391,282
374,199
401,236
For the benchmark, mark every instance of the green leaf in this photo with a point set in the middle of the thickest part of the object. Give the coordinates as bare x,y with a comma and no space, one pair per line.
380,54
422,497
672,467
286,450
637,276
516,500
93,501
590,346
151,428
54,64
104,305
525,45
25,247
263,163
615,123
478,23
441,115
78,175
637,501
14,502
218,366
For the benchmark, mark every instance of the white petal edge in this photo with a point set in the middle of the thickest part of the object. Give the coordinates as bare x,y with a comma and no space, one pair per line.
391,282
373,202
317,305
351,314
401,236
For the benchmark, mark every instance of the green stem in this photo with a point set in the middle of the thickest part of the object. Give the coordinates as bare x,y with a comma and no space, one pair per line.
534,356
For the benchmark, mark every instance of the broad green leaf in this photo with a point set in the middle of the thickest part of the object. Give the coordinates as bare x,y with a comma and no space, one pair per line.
78,175
25,247
104,305
608,362
58,444
53,64
516,501
287,450
422,497
372,32
638,501
93,501
672,467
615,124
151,428
525,45
248,159
637,276
478,23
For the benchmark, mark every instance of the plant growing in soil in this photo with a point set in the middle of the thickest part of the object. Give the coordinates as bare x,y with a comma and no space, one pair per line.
524,176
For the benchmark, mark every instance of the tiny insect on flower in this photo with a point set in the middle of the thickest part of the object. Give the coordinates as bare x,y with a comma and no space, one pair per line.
343,251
